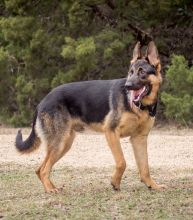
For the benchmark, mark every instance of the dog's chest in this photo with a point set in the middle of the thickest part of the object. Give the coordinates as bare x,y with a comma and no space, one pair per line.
130,124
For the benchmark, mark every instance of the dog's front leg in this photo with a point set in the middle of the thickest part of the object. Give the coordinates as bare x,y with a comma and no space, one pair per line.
139,144
113,140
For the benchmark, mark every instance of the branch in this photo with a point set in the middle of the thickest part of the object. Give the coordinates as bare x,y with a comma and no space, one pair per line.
103,15
141,35
111,4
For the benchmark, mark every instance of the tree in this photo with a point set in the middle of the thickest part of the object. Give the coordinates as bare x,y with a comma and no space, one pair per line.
47,43
178,95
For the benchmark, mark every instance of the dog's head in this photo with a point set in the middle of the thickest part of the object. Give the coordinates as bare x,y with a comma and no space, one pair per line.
144,77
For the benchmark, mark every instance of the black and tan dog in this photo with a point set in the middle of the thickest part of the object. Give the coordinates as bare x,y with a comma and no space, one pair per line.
118,108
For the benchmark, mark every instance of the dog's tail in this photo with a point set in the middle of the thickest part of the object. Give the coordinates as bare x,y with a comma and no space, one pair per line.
31,143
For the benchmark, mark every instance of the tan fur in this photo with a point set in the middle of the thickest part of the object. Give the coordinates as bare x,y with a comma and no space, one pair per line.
155,82
59,133
54,153
113,139
138,129
136,52
139,143
137,125
152,97
130,124
80,126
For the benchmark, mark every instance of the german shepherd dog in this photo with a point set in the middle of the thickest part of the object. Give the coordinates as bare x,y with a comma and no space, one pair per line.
118,108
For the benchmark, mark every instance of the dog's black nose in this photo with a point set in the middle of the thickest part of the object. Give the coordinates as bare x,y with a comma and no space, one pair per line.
128,85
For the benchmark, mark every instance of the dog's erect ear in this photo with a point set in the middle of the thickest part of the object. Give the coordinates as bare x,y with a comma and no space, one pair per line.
136,52
152,54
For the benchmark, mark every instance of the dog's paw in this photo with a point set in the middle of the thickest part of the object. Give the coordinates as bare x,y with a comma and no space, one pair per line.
115,186
151,184
158,186
52,190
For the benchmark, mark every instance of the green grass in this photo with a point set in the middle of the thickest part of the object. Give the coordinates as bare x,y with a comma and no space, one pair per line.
87,194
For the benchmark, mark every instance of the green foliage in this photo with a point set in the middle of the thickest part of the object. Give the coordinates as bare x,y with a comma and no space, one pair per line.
47,43
178,97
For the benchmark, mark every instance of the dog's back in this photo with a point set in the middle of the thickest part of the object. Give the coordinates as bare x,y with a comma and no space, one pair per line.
119,108
89,101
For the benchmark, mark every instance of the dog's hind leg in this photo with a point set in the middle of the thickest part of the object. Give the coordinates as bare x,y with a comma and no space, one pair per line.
139,144
42,165
115,146
53,155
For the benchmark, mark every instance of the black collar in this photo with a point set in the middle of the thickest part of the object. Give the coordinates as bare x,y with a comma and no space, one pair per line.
151,108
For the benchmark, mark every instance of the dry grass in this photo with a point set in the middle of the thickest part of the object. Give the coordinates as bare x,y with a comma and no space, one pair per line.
87,194
85,174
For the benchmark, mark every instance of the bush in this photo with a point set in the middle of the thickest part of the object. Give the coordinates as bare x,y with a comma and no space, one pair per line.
178,96
48,43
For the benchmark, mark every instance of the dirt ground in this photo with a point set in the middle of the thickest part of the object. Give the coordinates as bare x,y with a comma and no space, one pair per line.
83,175
168,148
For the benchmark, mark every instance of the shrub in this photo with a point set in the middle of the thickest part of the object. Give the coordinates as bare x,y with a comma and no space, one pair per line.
178,95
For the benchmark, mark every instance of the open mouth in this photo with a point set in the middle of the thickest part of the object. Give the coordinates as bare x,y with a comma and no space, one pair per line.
137,95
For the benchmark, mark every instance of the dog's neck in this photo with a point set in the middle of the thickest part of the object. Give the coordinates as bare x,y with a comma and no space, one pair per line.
152,109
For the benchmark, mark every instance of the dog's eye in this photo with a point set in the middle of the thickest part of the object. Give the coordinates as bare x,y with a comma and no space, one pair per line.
142,74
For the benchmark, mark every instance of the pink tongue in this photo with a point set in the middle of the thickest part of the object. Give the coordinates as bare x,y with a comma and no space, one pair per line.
138,92
135,94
